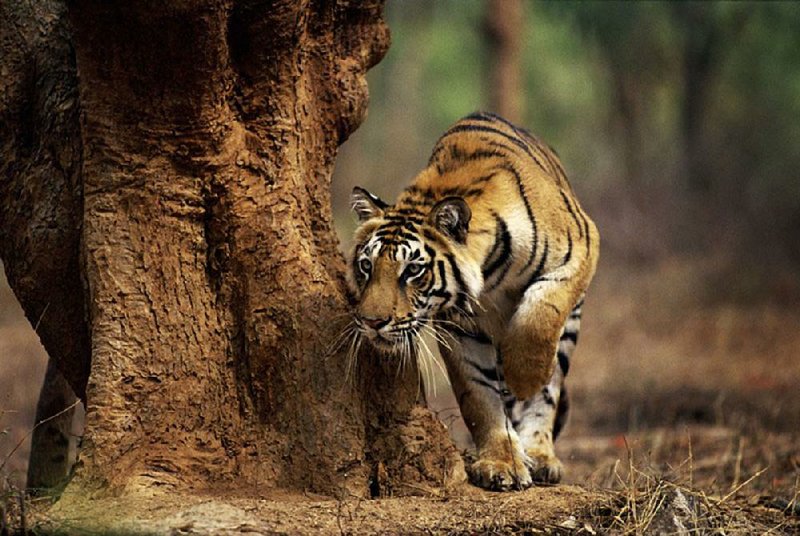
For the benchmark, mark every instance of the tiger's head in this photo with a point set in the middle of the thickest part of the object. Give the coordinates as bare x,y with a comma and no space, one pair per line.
409,264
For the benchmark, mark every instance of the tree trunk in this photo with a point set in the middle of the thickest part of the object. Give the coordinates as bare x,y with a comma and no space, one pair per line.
627,98
696,66
192,238
504,22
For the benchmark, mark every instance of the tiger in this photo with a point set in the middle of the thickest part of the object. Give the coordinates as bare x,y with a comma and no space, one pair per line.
489,250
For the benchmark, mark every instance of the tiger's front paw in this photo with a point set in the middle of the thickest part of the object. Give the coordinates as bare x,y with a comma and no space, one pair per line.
544,468
499,475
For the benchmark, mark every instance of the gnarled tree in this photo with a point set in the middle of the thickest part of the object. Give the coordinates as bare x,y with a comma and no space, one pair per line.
165,222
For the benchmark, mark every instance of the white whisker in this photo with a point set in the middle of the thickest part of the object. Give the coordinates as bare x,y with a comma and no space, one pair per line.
427,358
340,339
439,336
433,358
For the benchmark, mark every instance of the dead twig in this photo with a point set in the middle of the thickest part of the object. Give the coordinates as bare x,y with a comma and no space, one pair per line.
30,432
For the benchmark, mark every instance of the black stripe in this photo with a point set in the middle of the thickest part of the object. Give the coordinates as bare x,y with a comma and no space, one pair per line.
547,152
489,385
586,230
441,292
548,397
395,235
498,223
442,272
571,210
561,412
513,139
537,273
429,279
426,193
480,155
485,116
462,286
473,192
453,190
568,255
532,141
409,226
506,264
491,118
458,158
484,178
434,155
511,169
479,337
563,362
504,147
570,336
501,248
431,236
542,150
490,373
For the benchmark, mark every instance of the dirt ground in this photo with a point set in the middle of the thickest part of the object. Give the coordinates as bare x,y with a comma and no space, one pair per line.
683,393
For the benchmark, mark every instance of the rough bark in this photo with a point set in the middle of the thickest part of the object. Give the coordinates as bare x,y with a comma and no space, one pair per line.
40,186
504,22
195,210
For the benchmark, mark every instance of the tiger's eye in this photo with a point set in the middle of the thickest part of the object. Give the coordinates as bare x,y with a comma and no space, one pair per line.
365,265
413,270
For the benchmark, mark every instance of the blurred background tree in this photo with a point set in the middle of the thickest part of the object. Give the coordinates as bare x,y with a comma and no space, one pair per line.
503,27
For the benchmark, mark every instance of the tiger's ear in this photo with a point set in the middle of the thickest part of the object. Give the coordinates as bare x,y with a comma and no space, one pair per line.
451,216
365,204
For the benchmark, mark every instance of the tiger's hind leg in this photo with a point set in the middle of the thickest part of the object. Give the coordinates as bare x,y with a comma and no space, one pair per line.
541,418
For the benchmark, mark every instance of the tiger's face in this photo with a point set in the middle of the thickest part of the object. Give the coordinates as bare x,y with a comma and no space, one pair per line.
404,269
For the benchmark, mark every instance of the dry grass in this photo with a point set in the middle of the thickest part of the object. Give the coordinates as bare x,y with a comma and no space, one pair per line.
676,390
649,499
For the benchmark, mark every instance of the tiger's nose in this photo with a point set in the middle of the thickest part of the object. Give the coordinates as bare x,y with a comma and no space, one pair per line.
375,323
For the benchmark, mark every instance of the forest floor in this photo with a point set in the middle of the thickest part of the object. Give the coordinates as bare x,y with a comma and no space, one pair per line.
685,419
